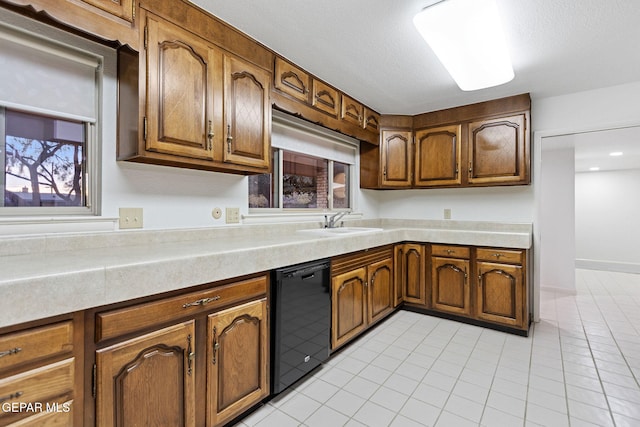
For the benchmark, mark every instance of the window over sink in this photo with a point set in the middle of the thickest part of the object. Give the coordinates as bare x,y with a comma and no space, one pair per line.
312,170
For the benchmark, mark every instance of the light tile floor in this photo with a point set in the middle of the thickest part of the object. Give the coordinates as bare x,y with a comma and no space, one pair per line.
580,366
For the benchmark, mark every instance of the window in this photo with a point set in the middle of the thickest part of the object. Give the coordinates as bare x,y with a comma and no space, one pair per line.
48,116
312,170
44,162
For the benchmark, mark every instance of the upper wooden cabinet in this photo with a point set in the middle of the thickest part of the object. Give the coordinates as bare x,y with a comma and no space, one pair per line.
396,152
112,20
438,156
298,92
121,8
247,114
498,150
182,81
485,144
198,106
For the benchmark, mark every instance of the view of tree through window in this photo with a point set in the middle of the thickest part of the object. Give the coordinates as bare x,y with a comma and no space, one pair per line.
44,161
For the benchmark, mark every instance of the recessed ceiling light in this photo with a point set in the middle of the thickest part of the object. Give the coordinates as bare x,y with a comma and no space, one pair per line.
616,153
595,168
467,37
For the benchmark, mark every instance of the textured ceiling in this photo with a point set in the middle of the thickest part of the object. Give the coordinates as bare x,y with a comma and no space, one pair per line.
370,49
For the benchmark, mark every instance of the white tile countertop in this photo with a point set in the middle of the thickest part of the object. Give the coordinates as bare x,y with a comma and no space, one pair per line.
52,274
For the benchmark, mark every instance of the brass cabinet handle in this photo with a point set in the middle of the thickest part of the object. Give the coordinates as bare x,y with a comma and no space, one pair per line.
190,355
11,396
497,255
10,352
450,251
201,302
210,136
229,138
215,345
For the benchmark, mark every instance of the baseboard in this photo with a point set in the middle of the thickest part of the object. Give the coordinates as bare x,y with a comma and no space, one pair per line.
622,267
555,289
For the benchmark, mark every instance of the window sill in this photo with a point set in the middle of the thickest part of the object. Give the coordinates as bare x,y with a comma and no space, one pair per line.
45,225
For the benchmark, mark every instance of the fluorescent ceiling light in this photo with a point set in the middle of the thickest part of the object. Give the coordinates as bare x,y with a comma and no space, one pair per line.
595,168
467,37
616,154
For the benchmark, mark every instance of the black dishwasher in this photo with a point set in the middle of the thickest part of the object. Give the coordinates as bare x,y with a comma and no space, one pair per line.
300,321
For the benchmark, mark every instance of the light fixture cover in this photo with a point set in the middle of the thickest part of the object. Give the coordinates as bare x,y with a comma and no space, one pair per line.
468,38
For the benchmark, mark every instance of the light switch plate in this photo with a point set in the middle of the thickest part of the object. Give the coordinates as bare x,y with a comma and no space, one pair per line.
232,215
130,218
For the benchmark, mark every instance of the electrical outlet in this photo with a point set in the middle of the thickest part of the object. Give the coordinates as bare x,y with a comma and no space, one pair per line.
232,215
447,214
130,218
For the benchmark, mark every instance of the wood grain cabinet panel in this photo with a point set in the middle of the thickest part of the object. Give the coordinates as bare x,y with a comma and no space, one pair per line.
450,285
371,120
25,347
325,98
237,359
292,80
396,151
498,152
500,294
379,290
181,118
121,8
410,270
438,156
352,111
148,380
247,114
348,306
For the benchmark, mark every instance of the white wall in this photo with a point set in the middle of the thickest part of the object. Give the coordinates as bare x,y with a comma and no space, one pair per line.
606,220
556,223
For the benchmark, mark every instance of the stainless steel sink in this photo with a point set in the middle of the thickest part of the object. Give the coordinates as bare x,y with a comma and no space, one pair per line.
340,231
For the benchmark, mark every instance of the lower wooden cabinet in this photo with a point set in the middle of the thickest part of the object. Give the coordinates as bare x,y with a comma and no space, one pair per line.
39,373
487,286
410,270
237,360
362,292
148,380
206,367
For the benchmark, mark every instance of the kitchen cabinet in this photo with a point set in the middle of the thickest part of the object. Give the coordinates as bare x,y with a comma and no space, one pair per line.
291,80
108,19
325,98
498,151
352,111
362,292
185,102
501,291
438,156
410,270
450,288
184,359
484,144
371,120
238,352
396,152
40,366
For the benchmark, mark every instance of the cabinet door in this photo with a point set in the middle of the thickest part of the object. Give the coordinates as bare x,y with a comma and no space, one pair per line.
395,156
498,151
371,120
379,290
181,82
437,158
348,306
352,111
237,360
247,114
325,98
450,285
411,275
500,296
292,80
148,380
120,8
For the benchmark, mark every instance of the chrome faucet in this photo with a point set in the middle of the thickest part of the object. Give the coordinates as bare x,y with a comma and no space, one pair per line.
331,221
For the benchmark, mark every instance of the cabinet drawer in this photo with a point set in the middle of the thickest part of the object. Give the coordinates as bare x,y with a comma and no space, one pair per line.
40,385
509,256
58,415
35,344
114,323
450,251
